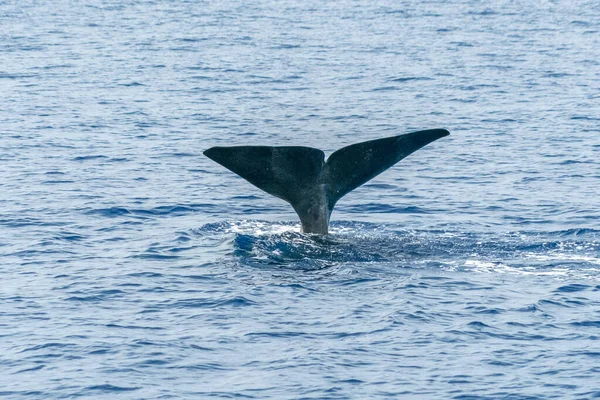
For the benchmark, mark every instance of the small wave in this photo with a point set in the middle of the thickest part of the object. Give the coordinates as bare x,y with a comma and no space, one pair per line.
387,209
109,212
410,78
56,182
131,84
154,328
90,157
584,117
36,368
572,288
51,345
170,210
145,275
85,298
286,46
111,388
578,232
17,76
191,40
385,89
154,255
237,301
27,221
587,324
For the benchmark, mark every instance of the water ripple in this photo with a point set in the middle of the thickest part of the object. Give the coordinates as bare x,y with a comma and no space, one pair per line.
134,267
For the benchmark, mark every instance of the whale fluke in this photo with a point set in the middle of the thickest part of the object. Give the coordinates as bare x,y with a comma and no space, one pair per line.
300,175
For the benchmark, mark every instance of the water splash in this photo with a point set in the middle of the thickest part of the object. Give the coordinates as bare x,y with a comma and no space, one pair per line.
282,245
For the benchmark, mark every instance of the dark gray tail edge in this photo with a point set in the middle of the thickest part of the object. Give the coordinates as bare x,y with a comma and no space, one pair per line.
300,175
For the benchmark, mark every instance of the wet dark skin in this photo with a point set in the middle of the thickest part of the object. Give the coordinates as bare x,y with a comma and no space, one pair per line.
302,177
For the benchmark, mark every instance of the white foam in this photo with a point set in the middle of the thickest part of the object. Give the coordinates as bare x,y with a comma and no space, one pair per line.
492,267
261,228
564,257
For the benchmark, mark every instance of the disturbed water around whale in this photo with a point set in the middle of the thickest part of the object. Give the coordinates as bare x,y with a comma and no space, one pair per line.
135,267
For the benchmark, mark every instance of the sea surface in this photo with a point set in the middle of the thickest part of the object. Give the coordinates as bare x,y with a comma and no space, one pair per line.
133,267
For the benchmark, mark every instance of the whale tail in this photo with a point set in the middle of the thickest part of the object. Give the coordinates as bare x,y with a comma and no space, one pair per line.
302,177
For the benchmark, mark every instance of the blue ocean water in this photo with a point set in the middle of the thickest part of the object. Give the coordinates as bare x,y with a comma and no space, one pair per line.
133,267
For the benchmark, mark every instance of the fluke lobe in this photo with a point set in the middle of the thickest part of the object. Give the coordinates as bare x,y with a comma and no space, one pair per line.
302,177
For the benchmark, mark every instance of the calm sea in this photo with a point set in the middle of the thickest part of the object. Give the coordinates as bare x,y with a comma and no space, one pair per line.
133,267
